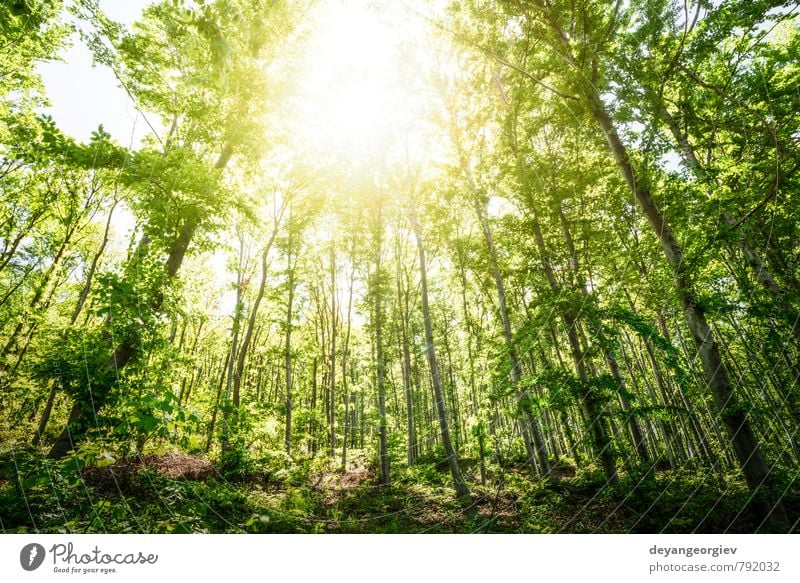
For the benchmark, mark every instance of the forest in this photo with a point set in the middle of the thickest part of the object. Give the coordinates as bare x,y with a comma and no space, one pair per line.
441,266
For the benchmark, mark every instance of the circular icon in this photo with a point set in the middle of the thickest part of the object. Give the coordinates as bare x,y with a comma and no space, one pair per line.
31,556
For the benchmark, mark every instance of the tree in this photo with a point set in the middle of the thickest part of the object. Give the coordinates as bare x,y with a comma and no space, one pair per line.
461,488
202,52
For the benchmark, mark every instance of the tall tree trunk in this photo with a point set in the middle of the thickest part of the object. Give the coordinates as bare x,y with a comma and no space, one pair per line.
212,423
462,490
251,322
312,424
87,286
332,379
637,438
403,284
376,290
183,392
601,443
230,405
288,344
531,431
345,350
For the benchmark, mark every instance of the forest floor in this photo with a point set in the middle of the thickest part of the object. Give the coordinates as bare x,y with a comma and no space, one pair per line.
178,493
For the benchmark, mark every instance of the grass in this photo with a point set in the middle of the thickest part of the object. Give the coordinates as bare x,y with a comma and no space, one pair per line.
177,493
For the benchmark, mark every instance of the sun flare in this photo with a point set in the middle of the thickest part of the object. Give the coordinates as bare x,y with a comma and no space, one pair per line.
350,91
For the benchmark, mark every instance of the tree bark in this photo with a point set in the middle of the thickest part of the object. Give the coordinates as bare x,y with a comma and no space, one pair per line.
461,488
332,379
637,438
345,353
531,432
251,322
376,290
288,346
87,286
601,443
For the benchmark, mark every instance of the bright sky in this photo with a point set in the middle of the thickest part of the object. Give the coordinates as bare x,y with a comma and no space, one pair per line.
350,88
352,100
83,97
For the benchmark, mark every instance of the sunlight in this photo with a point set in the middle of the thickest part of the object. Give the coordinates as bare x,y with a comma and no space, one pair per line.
350,92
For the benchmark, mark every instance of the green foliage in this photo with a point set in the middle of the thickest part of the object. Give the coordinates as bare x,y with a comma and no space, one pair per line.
46,496
236,464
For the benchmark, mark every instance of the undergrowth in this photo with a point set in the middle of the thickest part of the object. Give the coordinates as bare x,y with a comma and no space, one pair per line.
94,492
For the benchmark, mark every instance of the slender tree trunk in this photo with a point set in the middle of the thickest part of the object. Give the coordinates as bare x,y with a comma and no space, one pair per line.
34,305
192,354
35,217
458,481
48,409
665,429
312,423
212,423
376,290
334,324
288,358
251,322
633,424
411,446
531,430
87,286
601,443
345,351
231,400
